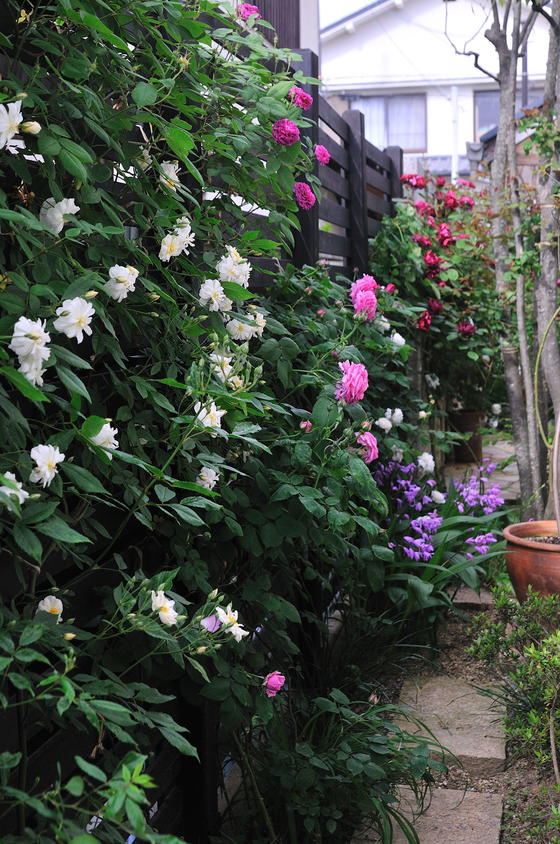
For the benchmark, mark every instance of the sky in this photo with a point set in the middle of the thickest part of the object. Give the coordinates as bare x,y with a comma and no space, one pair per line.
332,10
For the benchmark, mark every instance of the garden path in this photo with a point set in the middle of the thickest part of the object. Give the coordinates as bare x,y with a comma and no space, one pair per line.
466,806
506,476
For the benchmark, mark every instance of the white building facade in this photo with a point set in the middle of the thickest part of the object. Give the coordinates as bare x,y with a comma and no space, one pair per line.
395,60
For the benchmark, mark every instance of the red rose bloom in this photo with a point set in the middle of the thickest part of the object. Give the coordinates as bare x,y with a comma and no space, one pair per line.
466,328
444,235
435,306
450,200
422,240
424,321
413,180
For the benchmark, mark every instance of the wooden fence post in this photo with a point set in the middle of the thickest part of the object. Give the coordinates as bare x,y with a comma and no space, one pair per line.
306,247
357,186
396,156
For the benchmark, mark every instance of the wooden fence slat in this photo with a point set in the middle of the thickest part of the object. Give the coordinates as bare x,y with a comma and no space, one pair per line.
357,183
334,182
373,226
333,119
338,153
396,156
378,180
332,212
335,244
306,249
378,205
376,156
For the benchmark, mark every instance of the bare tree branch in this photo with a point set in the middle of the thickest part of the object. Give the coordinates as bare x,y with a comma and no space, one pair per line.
464,52
526,31
506,14
537,8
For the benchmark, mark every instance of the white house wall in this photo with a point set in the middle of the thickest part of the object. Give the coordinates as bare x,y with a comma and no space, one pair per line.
403,49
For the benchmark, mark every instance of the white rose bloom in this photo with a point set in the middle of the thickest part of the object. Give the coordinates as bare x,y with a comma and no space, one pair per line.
223,367
426,462
423,414
52,213
171,246
432,381
397,454
382,324
397,339
165,607
209,416
260,324
31,127
384,423
494,422
235,382
232,267
170,174
32,370
46,458
228,617
20,493
52,605
438,497
106,438
74,317
10,119
29,339
239,330
207,477
397,416
121,282
496,409
212,296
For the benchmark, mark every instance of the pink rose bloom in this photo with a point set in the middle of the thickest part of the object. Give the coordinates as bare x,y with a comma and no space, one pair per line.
444,235
366,303
423,208
300,98
211,623
450,200
391,288
322,154
285,132
413,180
305,426
273,682
366,282
321,312
466,183
370,451
245,10
466,202
305,197
354,382
440,181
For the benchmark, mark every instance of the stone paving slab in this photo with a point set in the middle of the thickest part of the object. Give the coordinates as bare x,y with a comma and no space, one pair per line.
466,598
506,478
459,718
460,817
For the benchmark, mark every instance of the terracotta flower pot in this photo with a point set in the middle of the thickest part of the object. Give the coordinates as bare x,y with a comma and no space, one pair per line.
531,563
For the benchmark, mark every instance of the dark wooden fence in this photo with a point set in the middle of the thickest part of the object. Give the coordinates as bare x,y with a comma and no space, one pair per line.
357,186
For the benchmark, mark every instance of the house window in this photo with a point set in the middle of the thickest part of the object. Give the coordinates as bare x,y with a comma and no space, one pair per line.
398,121
487,107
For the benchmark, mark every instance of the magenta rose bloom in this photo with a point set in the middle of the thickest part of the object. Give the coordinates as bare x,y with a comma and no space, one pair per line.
370,451
440,181
361,285
450,200
466,183
273,682
422,240
413,180
245,10
305,197
353,384
285,132
466,202
300,98
444,235
435,306
322,154
366,303
423,208
211,623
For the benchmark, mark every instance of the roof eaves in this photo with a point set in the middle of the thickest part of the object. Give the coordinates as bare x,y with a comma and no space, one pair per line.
341,23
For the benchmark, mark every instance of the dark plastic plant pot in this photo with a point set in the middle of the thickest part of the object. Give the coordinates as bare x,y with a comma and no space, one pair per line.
531,563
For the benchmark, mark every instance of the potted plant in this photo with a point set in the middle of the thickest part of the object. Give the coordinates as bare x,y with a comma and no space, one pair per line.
533,548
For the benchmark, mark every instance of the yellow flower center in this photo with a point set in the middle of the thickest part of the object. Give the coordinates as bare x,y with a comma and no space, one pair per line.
81,320
51,465
231,619
164,609
53,610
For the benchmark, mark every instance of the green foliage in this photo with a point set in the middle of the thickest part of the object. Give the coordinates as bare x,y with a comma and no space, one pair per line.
522,641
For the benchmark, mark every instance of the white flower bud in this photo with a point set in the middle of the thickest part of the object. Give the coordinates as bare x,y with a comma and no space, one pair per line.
31,126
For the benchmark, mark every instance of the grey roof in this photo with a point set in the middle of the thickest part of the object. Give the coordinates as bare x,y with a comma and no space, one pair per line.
349,17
